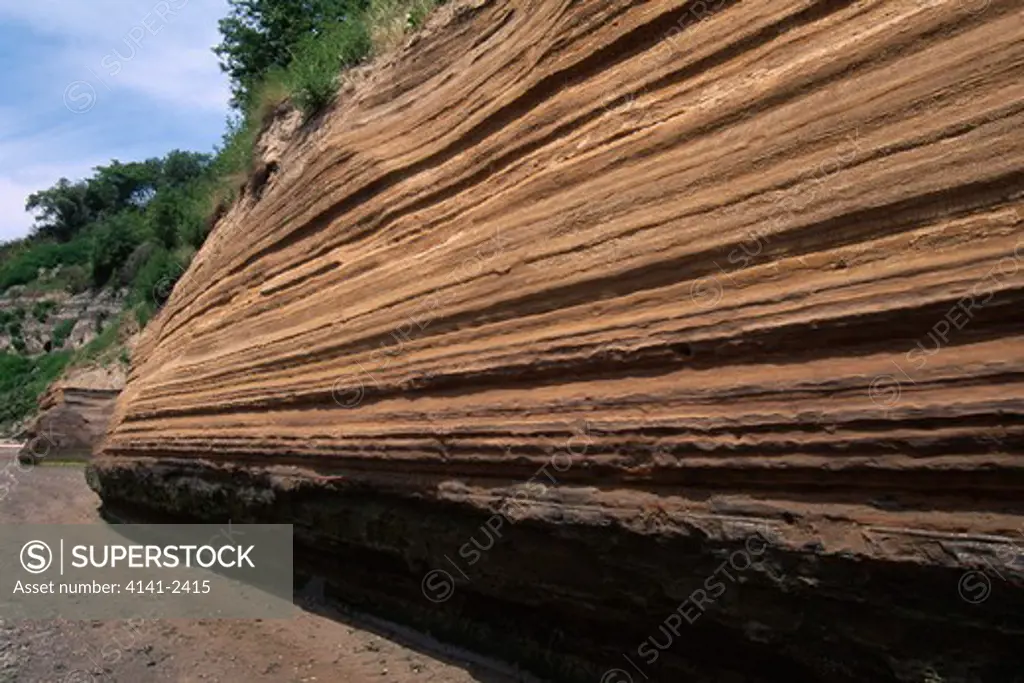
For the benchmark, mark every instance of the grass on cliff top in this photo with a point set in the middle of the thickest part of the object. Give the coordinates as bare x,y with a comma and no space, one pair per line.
314,73
320,60
390,21
309,82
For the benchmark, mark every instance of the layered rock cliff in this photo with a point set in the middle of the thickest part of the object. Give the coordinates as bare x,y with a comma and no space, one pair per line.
52,321
74,414
667,340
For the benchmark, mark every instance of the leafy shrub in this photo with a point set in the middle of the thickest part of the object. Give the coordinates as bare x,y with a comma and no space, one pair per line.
23,267
62,210
164,213
114,240
144,312
268,96
391,20
234,162
192,228
76,279
41,310
61,332
259,35
68,209
418,13
156,279
193,232
136,262
183,168
174,216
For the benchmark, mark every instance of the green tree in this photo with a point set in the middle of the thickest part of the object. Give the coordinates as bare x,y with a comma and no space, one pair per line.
67,208
181,168
165,213
117,187
62,210
173,216
114,240
260,35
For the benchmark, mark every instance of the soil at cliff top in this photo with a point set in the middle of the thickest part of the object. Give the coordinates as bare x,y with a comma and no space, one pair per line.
309,647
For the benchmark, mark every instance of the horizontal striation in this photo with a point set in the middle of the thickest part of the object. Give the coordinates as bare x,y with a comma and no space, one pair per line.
726,263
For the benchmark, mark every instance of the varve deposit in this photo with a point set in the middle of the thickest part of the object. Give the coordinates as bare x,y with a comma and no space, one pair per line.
572,311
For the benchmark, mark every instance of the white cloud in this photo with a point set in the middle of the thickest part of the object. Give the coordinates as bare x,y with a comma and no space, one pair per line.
160,49
108,21
145,62
179,76
32,162
15,189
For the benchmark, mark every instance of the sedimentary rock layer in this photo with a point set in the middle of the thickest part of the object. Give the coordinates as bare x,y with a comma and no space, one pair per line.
577,301
73,415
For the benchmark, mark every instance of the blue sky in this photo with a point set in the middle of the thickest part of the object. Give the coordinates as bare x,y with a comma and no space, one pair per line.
87,81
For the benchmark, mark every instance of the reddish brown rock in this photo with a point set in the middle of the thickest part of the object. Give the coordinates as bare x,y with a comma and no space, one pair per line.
577,302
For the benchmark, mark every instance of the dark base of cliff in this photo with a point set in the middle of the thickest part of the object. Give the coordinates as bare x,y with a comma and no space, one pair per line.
596,602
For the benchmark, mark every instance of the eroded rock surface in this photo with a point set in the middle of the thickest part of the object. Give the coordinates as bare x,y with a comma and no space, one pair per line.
55,320
573,303
74,414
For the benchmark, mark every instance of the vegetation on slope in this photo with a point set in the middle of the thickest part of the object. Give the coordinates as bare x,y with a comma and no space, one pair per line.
135,226
302,45
23,379
111,220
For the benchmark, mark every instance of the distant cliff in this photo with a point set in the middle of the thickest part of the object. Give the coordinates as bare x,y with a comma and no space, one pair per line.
668,340
73,415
